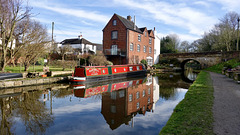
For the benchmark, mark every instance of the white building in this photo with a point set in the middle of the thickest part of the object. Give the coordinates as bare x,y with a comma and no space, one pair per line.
9,44
156,47
155,92
81,44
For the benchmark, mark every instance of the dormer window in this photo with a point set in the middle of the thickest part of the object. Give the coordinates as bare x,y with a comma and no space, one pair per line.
114,22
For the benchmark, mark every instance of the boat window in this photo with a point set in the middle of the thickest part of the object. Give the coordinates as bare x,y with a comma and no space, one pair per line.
137,67
130,68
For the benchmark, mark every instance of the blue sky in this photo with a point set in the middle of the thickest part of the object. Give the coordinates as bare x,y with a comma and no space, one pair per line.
189,19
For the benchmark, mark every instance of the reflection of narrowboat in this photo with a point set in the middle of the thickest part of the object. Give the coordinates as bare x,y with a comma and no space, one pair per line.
103,73
84,92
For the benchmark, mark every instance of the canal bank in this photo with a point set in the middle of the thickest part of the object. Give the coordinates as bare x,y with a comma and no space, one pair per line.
193,115
211,106
54,77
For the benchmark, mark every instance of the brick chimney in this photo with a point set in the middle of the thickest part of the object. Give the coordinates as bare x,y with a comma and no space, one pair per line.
129,18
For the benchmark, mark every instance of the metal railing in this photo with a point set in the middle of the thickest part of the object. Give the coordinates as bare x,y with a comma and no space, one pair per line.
114,52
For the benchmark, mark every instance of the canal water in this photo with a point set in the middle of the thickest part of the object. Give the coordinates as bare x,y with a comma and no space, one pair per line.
131,106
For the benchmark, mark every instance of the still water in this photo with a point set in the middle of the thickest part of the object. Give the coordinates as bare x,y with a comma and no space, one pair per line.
133,106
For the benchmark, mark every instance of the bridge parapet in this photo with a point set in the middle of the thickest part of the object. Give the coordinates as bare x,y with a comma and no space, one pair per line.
206,59
201,54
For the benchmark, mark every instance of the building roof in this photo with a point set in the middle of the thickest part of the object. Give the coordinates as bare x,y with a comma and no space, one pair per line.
76,41
142,29
128,24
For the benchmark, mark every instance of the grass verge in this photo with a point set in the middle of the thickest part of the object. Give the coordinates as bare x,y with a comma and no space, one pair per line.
19,69
193,115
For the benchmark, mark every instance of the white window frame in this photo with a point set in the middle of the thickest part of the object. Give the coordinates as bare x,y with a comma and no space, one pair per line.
114,34
138,48
138,105
150,41
139,37
130,97
144,48
150,49
138,95
131,47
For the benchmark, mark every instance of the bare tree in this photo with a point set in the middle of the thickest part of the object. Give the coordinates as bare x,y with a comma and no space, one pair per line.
11,12
34,42
227,28
64,50
98,59
184,46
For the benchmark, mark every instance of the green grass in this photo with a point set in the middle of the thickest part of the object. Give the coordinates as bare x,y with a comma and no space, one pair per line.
19,69
193,115
218,68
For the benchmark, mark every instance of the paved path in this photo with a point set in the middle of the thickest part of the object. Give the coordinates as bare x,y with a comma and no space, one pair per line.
226,107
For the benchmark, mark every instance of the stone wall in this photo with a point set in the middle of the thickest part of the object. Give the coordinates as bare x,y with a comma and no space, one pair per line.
34,81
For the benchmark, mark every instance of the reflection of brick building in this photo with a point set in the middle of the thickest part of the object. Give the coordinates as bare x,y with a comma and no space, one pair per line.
121,106
125,43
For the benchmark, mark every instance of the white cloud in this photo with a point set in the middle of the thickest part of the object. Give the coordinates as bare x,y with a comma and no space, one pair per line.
229,5
178,14
69,11
77,108
202,3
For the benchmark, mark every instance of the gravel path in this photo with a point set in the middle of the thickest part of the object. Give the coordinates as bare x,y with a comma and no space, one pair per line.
226,107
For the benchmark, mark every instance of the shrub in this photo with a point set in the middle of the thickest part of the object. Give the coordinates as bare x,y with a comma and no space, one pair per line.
144,62
40,61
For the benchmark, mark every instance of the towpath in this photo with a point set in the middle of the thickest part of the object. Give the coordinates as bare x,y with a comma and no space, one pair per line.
226,107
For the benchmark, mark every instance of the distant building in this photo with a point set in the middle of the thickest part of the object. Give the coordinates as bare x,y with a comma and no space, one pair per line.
157,47
13,44
125,43
82,45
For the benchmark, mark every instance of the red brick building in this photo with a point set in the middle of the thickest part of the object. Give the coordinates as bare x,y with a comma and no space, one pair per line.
125,43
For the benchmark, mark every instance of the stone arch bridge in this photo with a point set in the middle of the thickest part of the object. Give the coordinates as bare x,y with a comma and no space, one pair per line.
206,59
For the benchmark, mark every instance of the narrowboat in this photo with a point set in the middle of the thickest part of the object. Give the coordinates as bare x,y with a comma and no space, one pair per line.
88,74
85,91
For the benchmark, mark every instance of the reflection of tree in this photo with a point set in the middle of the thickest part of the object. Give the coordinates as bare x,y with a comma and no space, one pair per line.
167,92
6,119
61,93
33,112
